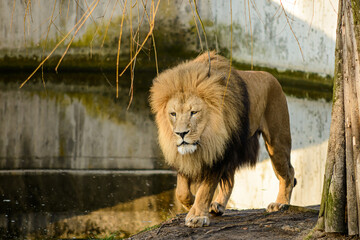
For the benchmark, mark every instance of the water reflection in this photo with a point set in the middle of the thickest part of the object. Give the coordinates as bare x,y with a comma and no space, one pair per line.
82,204
75,163
121,220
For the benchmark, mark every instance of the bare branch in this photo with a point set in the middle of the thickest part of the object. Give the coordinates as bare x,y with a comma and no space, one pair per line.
287,20
203,28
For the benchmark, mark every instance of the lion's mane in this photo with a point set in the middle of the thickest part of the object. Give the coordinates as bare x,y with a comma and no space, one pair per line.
225,143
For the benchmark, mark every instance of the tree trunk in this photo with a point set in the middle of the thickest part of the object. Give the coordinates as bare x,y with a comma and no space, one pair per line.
341,191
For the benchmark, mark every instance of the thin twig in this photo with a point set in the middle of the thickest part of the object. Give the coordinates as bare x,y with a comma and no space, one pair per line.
158,231
98,27
333,6
137,33
312,17
252,40
276,13
203,28
257,11
137,47
155,52
12,14
108,81
118,50
49,26
245,18
56,27
152,24
231,48
75,33
196,25
92,18
287,20
146,38
42,23
48,56
45,42
281,30
30,13
131,90
26,12
154,44
68,8
152,37
107,27
60,5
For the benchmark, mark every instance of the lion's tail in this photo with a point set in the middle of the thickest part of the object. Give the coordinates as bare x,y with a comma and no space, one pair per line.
251,152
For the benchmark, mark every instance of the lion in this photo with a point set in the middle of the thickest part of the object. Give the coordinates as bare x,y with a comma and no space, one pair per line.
209,125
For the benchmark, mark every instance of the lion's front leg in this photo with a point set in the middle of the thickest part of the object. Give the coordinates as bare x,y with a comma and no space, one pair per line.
198,215
183,192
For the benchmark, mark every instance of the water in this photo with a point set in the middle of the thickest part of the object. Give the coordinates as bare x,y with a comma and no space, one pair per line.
75,163
82,204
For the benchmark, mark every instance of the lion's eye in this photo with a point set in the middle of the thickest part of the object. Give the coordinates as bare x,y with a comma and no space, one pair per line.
192,113
173,114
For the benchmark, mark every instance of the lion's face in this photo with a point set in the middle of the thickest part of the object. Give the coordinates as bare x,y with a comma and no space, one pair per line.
187,116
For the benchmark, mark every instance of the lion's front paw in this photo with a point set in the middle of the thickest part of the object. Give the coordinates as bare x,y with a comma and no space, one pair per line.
273,207
217,209
197,221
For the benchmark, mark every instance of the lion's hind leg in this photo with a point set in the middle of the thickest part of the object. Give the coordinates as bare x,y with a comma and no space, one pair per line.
276,133
284,172
226,185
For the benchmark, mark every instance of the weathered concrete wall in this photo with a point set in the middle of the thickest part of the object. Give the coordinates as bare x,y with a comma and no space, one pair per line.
72,129
75,127
274,44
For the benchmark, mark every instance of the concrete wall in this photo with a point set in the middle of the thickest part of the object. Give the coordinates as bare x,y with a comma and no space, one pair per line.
274,44
313,23
75,127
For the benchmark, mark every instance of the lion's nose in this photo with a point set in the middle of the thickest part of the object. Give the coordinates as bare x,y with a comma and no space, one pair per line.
182,134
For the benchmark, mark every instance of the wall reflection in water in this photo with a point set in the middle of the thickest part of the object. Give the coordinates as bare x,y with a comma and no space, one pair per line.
74,162
82,204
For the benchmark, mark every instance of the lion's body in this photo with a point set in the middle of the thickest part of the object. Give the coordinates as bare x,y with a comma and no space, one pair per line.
209,126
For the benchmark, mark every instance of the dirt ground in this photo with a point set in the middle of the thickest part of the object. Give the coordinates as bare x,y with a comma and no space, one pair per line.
293,223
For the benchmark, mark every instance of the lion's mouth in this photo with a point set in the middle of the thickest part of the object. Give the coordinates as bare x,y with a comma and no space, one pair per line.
187,148
186,143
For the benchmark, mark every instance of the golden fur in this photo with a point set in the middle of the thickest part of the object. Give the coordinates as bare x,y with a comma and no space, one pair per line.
208,126
190,80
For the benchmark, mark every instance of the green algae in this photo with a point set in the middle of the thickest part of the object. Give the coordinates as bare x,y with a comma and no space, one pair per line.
298,83
171,49
173,45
